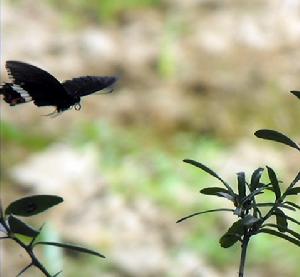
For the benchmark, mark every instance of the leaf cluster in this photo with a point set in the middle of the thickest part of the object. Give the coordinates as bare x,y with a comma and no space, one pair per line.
17,230
255,217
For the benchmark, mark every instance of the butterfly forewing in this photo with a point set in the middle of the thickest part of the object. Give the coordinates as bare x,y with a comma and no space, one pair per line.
41,86
86,85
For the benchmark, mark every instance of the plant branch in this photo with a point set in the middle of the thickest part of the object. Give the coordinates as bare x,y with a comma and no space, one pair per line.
28,248
34,260
245,243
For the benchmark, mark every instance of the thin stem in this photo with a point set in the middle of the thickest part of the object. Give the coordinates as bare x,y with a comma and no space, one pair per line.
34,261
24,269
28,248
243,253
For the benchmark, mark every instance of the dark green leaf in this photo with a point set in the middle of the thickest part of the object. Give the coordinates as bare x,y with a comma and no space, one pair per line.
281,220
274,182
56,274
250,197
228,240
233,234
204,212
293,233
280,235
281,205
241,184
296,93
19,227
211,172
220,192
249,220
32,205
292,204
255,178
293,191
292,219
276,136
71,247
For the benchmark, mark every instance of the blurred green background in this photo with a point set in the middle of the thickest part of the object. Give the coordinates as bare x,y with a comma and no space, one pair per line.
197,78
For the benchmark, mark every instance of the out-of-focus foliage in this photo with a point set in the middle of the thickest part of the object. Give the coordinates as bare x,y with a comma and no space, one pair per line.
100,10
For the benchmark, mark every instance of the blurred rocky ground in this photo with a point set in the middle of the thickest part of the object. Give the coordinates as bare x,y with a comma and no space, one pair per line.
219,68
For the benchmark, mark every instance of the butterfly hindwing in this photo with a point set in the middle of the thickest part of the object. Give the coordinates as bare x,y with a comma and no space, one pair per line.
86,85
13,94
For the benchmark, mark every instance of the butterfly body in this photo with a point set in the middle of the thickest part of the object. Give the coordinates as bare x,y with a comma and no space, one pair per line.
30,83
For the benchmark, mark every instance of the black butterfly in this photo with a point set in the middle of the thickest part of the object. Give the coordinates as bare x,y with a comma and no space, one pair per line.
30,83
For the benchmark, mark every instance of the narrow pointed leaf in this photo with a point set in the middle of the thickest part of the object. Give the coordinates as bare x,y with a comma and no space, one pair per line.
292,204
276,136
255,178
241,184
292,219
209,171
71,247
220,192
281,205
233,234
274,182
296,93
32,205
19,227
250,197
281,220
293,233
204,212
293,191
280,235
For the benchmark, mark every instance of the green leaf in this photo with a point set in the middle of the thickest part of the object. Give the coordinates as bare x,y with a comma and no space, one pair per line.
209,171
280,235
274,182
292,204
204,212
281,205
19,227
276,136
233,234
292,219
220,192
32,205
241,184
228,240
71,247
293,233
255,178
281,220
296,93
250,196
249,220
293,191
